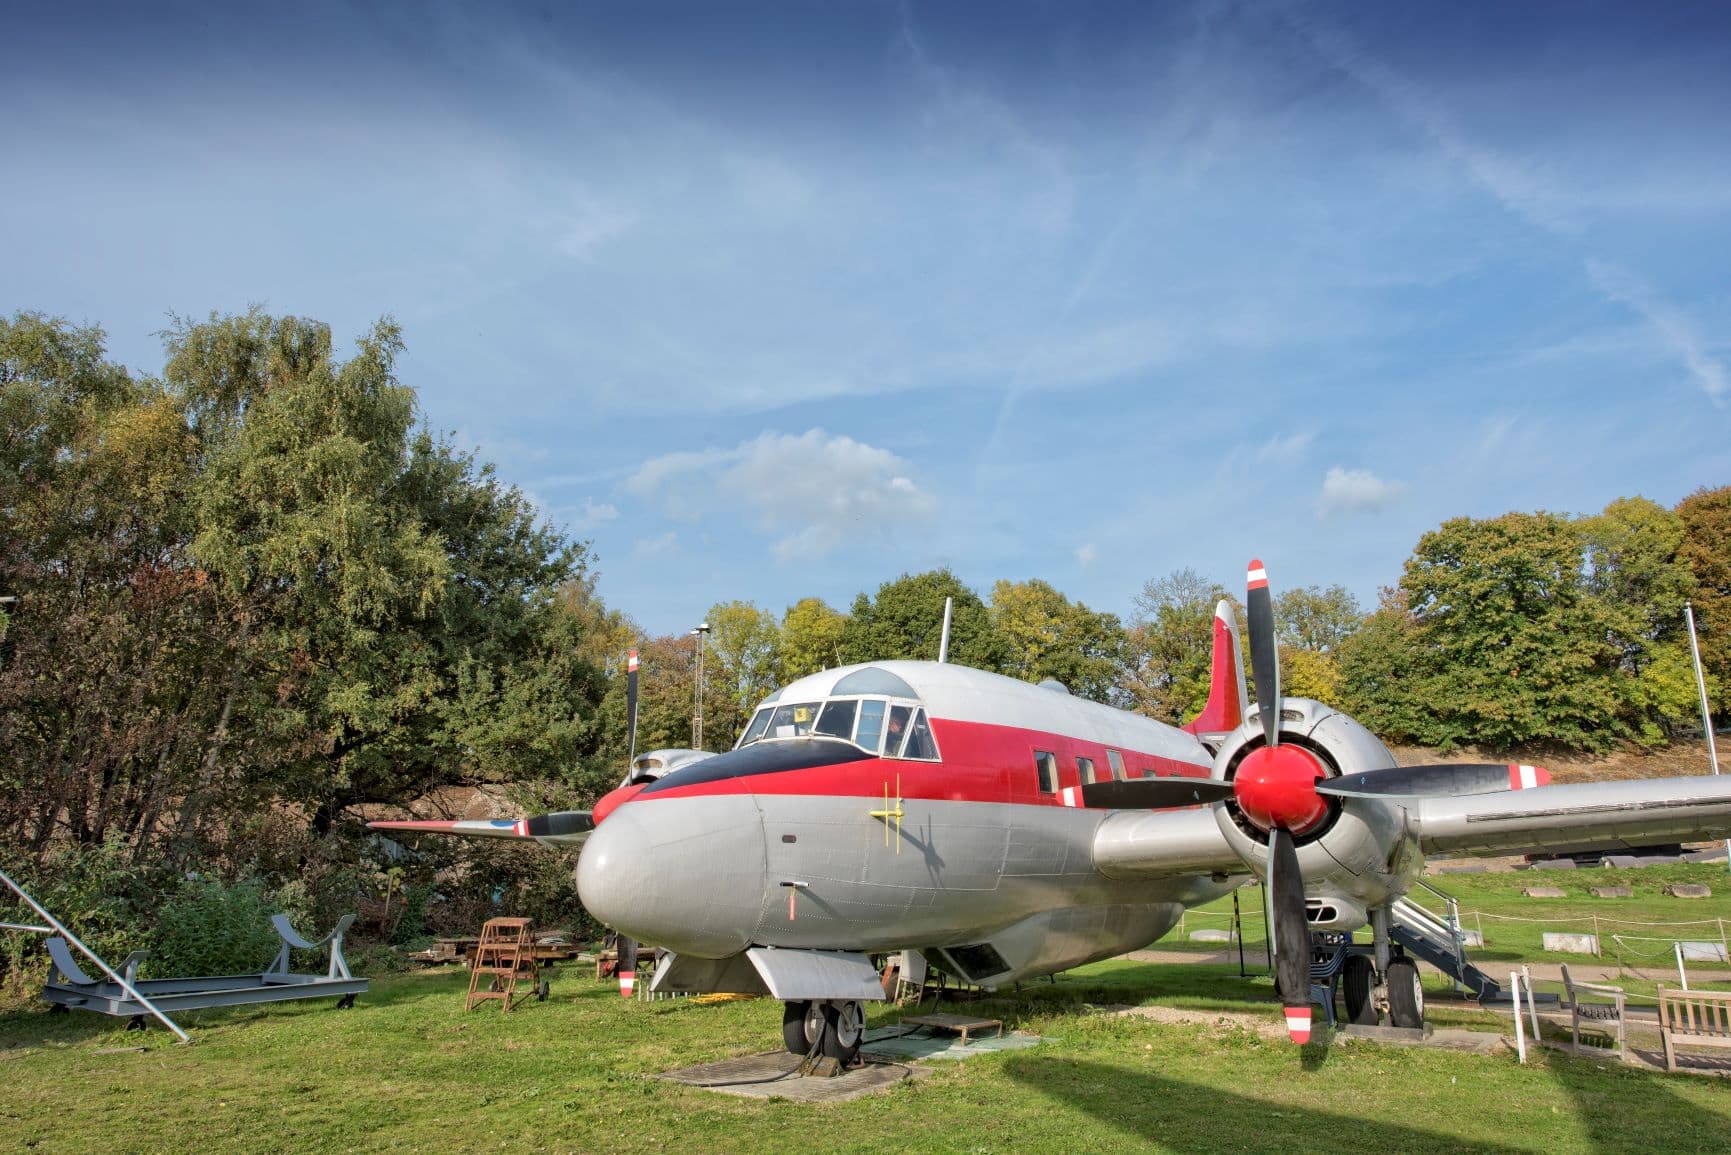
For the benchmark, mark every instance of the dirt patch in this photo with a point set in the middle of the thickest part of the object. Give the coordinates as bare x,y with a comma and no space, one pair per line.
1269,1025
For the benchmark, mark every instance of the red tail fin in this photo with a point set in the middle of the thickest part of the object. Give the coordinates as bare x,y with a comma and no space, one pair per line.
1228,700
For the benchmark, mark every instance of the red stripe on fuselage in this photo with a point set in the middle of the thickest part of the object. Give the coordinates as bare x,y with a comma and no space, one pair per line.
982,762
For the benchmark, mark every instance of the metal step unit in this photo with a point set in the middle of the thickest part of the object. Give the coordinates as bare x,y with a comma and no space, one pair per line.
1440,942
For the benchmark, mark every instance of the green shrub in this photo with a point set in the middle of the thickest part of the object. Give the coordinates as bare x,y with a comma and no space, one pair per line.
210,927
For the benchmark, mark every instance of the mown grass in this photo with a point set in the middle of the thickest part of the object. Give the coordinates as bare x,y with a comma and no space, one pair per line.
407,1070
1514,925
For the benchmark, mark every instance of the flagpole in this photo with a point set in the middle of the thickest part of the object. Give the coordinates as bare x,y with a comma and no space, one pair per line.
1706,714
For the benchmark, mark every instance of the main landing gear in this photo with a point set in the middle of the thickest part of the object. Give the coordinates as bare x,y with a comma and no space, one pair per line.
1399,993
834,1030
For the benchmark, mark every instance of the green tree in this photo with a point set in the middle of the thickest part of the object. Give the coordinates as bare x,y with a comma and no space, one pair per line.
1516,649
1316,619
1171,645
1634,570
1383,666
811,634
906,618
743,664
1046,635
1706,550
392,592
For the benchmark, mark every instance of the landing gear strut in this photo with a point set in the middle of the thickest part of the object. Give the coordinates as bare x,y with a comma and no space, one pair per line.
832,1029
1400,990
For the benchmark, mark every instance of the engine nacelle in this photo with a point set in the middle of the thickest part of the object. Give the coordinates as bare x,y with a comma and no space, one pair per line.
1358,855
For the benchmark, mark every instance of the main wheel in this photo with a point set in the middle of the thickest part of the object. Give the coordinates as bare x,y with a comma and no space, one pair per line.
1357,981
801,1024
1405,995
844,1029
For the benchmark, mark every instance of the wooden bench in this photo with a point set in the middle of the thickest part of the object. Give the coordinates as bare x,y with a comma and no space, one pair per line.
1600,1015
1695,1018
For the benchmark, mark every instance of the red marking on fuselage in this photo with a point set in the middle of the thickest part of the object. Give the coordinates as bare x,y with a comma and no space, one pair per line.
613,799
982,762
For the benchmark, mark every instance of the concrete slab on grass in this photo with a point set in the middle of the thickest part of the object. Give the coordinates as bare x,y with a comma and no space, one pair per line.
774,1075
896,1042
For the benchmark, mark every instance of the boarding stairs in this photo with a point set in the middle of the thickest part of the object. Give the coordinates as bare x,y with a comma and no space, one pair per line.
1439,941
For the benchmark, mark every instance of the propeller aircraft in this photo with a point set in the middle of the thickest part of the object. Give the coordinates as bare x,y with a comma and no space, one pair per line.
1007,830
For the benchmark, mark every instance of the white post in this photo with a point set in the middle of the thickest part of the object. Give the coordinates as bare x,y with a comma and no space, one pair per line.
1532,1003
1706,714
944,640
1682,975
1520,1032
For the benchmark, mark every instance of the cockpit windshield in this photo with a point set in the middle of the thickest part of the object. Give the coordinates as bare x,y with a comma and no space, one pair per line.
876,725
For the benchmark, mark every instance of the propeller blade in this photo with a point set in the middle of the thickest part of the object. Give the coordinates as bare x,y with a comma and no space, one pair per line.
1437,780
627,965
1153,793
1264,653
631,711
1289,933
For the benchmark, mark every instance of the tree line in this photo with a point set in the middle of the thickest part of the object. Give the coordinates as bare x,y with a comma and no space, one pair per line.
257,594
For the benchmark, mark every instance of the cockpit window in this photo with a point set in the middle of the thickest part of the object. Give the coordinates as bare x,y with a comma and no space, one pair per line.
836,721
871,724
920,744
759,723
898,730
793,720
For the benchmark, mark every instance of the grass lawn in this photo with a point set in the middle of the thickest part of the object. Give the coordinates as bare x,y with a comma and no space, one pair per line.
1514,925
407,1069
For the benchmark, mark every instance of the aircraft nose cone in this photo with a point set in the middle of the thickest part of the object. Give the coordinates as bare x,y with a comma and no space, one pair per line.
682,873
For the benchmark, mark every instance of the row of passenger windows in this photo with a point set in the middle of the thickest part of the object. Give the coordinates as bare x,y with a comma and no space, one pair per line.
897,729
1046,763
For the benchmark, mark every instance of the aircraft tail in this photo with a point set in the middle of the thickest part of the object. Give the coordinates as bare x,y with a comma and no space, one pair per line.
1228,699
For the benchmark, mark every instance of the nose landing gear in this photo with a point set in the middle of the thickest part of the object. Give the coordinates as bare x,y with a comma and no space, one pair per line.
833,1030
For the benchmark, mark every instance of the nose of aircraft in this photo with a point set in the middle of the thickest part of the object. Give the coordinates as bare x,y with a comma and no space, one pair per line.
682,873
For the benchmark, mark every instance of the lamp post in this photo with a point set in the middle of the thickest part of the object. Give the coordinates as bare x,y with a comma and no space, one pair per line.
701,633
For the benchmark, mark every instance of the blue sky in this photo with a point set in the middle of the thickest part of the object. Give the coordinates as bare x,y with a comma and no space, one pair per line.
771,301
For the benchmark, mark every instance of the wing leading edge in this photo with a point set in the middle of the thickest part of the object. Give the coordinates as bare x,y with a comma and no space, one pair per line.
564,828
1575,816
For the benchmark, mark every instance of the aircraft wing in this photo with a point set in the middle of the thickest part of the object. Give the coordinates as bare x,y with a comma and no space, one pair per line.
1576,816
564,828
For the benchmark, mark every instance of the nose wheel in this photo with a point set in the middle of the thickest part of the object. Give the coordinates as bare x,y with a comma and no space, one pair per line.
831,1029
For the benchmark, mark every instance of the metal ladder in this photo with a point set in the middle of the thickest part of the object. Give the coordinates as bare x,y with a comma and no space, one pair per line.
1441,943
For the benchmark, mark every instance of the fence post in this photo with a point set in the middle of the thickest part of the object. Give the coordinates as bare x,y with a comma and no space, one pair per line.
1682,975
1597,952
1520,1033
1532,1003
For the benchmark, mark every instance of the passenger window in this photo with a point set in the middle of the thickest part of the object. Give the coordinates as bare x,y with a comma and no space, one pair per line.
898,730
836,721
920,743
1117,763
1085,767
759,723
1047,764
871,724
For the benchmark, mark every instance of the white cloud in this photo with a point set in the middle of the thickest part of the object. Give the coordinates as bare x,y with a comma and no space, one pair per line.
814,490
589,223
1087,555
1672,327
595,512
650,546
1352,490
